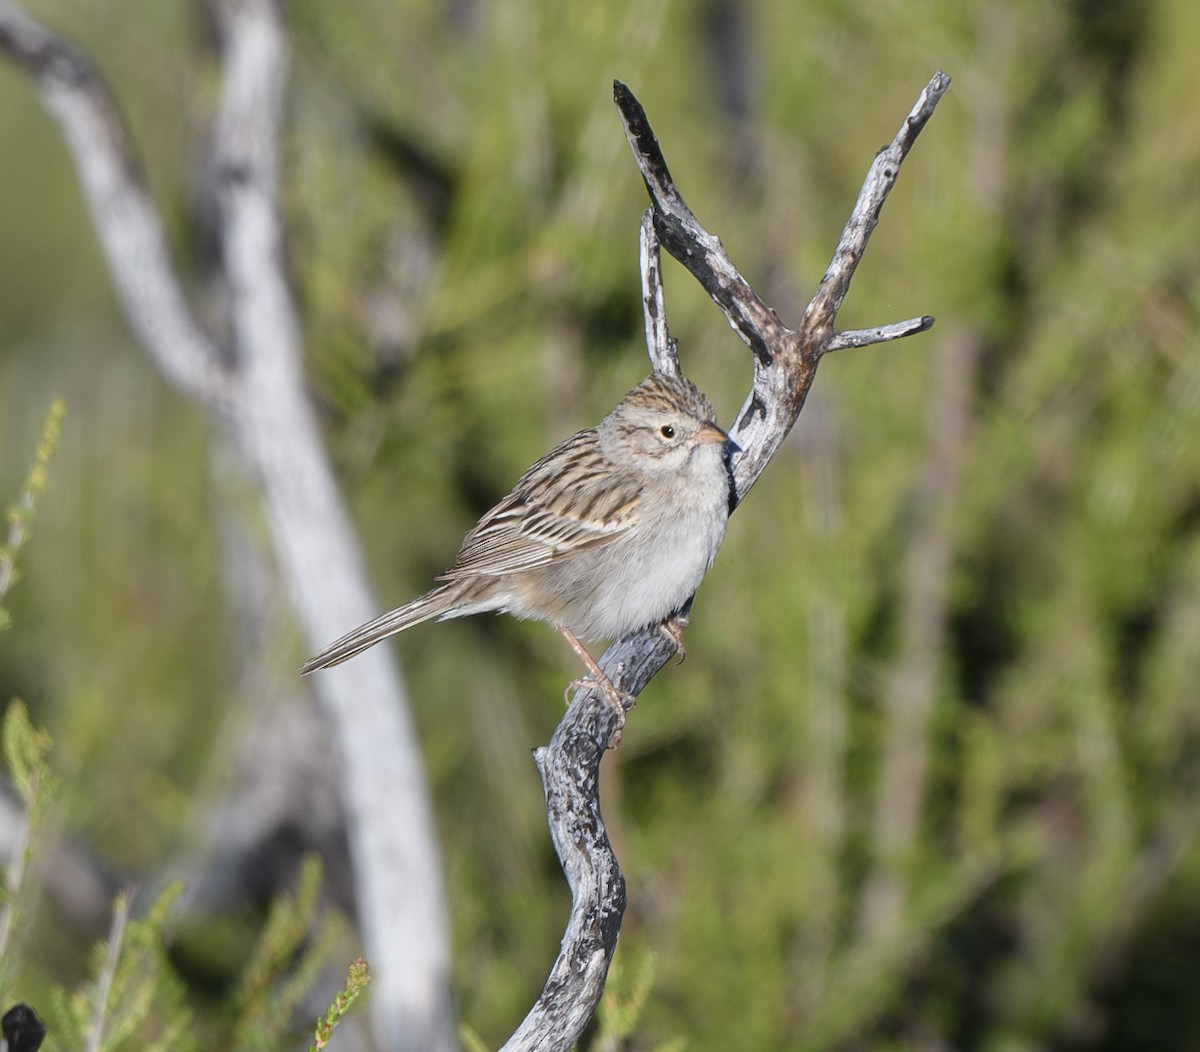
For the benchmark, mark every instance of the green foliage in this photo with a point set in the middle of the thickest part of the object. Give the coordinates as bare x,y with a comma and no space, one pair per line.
20,515
357,978
25,747
134,1000
626,993
283,966
25,751
470,1040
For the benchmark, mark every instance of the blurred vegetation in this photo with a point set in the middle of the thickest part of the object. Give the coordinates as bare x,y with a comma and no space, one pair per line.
464,216
134,997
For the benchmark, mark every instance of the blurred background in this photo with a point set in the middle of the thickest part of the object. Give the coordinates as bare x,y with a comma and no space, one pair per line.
929,777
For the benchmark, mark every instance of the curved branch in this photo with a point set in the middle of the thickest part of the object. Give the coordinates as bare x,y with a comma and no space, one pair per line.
785,363
684,237
570,770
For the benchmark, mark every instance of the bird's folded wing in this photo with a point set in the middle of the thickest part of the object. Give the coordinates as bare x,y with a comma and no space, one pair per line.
558,507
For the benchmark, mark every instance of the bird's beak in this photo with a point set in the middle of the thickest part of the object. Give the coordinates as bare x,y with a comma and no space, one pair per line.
710,433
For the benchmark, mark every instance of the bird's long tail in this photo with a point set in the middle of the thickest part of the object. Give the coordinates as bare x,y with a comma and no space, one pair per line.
436,603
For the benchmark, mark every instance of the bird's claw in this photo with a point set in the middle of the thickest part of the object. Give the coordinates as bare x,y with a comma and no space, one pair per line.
620,701
673,628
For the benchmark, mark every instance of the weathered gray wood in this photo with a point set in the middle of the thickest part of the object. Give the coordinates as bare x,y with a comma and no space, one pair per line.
785,363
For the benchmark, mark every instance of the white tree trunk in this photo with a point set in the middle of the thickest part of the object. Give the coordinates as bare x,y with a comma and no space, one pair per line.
257,390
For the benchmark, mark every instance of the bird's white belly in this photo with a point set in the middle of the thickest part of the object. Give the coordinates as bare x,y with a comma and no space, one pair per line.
640,580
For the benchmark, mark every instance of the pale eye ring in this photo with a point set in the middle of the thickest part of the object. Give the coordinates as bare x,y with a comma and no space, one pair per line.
667,431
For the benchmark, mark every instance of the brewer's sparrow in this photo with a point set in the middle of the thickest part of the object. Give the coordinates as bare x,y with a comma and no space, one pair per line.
610,531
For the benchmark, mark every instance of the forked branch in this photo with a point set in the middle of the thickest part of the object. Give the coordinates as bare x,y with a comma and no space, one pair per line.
785,362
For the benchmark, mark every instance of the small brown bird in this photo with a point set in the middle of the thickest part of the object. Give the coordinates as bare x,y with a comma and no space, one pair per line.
610,531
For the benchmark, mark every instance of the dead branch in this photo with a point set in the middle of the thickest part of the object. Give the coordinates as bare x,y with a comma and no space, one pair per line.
785,363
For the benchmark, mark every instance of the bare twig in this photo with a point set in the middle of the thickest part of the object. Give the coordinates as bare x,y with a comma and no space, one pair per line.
822,309
104,981
663,349
785,362
684,237
880,334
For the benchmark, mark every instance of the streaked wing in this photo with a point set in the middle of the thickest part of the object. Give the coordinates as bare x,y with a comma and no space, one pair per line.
555,508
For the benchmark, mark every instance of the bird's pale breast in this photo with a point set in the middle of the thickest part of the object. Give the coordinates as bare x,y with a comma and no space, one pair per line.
648,573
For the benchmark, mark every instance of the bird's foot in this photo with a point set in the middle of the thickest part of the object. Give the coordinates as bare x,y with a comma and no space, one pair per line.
620,701
673,628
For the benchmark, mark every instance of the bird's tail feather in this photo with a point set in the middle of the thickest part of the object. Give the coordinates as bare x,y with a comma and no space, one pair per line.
436,603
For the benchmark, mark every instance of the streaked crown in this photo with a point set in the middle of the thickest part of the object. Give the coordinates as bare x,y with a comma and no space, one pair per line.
666,392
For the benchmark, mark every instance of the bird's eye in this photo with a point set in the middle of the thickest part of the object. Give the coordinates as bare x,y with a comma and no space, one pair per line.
667,431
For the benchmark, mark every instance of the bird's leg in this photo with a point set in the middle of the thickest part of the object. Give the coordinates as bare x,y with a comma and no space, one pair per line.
672,627
616,697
